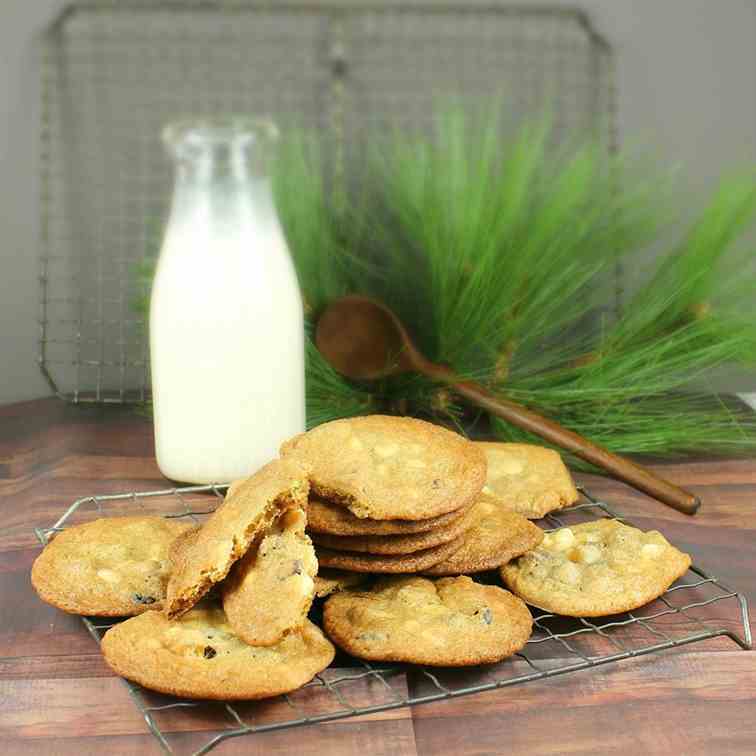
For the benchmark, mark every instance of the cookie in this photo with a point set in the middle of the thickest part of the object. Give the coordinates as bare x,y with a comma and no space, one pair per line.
496,536
389,468
270,589
334,519
200,656
596,568
396,544
111,567
529,479
329,581
180,543
420,560
245,513
448,622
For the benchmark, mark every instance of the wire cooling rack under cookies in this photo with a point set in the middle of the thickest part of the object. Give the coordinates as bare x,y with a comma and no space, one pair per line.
696,608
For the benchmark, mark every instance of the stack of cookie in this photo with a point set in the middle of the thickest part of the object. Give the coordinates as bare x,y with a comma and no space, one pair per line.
398,495
221,610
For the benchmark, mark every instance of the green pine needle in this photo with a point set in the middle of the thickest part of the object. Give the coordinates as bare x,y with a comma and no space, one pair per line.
498,253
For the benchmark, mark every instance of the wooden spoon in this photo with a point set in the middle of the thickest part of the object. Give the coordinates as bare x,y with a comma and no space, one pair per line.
364,340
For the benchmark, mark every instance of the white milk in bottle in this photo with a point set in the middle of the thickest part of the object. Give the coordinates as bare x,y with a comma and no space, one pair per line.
226,327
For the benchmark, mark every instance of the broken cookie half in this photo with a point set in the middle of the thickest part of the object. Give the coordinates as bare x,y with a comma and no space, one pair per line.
270,590
247,513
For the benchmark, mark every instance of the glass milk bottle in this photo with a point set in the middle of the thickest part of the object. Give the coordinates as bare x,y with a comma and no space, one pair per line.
226,327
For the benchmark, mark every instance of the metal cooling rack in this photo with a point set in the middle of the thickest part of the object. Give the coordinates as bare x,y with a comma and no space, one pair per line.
114,73
689,612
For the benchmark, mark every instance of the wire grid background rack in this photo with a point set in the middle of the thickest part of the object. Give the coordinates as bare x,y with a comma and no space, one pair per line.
113,74
686,613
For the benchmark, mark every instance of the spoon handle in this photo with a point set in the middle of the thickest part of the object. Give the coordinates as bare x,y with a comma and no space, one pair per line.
621,468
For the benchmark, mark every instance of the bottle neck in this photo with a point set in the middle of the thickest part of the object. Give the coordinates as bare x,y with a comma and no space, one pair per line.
223,164
223,191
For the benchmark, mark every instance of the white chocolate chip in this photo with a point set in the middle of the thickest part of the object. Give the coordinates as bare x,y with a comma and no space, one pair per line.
652,550
108,576
569,573
306,583
386,450
488,490
564,539
588,554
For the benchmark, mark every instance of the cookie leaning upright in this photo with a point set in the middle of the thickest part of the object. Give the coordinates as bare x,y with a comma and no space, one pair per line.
270,589
388,468
111,567
247,511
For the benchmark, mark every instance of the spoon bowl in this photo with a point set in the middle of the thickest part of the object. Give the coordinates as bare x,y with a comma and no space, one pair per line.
364,340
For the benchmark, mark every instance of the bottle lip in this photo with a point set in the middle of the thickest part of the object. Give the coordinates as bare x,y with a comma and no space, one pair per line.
193,134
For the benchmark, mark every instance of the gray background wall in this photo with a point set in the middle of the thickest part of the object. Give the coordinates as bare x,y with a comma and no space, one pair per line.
686,85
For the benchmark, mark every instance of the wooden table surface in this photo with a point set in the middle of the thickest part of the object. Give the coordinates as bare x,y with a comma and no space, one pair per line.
57,696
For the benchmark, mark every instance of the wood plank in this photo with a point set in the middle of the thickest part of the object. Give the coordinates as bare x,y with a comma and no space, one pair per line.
80,712
692,703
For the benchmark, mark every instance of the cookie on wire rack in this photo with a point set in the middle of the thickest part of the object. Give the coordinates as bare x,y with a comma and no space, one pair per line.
387,468
110,567
530,480
596,568
387,563
446,622
334,519
249,509
328,581
397,544
200,656
496,536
